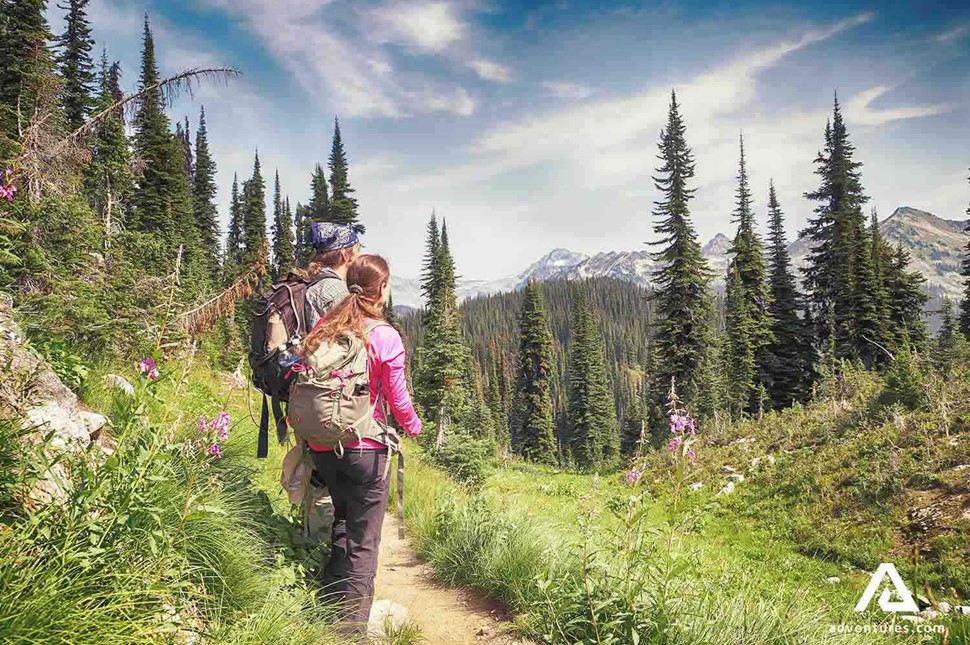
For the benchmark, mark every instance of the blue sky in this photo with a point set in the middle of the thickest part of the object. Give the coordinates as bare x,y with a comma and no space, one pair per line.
531,126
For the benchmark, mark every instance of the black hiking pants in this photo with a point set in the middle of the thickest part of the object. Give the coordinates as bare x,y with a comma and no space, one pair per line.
359,492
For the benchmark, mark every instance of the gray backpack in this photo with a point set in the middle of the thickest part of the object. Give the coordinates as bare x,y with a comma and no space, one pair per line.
330,398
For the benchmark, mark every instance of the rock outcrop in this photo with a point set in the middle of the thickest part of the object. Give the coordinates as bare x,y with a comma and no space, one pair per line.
31,392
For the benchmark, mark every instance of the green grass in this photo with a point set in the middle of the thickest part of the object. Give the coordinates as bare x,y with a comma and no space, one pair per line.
159,540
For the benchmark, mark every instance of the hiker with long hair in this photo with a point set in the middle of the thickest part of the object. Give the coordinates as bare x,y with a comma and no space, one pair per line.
356,472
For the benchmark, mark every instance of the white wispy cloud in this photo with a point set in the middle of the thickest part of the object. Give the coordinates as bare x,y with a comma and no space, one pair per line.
859,109
953,34
564,90
490,70
350,70
425,26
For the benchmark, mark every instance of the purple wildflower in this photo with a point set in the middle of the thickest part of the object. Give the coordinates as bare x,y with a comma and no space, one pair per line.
221,425
202,424
678,423
674,444
215,451
634,476
149,368
691,454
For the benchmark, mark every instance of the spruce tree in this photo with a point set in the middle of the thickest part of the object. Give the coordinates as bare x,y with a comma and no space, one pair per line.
429,269
319,198
748,321
282,233
839,273
161,205
75,64
203,198
442,385
593,435
682,298
947,339
108,179
965,305
254,216
790,364
906,297
234,237
343,204
25,65
532,425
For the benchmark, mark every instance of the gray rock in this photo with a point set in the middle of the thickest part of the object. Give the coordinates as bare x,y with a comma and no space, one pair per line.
384,613
833,580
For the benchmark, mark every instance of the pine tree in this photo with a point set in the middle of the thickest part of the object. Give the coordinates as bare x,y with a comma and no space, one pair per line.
906,298
965,305
947,338
532,425
429,269
880,254
160,204
25,65
203,198
319,199
789,367
593,435
343,204
75,64
108,179
254,216
839,273
442,385
681,292
748,321
234,237
282,233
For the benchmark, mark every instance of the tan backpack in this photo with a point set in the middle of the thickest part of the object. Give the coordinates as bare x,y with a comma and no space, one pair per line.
330,397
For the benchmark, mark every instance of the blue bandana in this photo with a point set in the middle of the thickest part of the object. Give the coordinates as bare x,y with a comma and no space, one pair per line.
326,236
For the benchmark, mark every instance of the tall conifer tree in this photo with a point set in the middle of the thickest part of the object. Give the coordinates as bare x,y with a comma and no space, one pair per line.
343,204
25,64
442,384
789,368
282,233
429,269
682,298
108,179
965,305
906,297
203,197
76,66
162,206
319,197
748,321
234,237
592,437
254,215
533,435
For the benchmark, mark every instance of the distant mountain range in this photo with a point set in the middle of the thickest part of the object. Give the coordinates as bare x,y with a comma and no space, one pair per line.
937,246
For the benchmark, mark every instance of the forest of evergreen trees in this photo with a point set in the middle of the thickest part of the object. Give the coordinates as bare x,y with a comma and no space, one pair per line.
110,242
577,373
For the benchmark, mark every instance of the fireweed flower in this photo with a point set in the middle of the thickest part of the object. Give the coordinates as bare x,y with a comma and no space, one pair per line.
674,444
202,425
149,368
215,451
691,454
634,476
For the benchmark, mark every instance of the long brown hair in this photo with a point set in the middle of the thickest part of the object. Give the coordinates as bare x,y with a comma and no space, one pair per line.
365,277
330,259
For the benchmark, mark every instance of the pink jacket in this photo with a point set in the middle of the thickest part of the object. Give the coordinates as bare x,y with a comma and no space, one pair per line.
385,354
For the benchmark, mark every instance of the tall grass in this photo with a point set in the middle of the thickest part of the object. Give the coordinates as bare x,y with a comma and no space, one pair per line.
157,541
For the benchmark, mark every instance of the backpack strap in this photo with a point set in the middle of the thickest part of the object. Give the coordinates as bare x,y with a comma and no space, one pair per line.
262,442
280,418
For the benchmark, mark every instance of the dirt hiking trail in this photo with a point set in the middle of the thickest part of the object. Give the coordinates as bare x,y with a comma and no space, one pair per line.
446,615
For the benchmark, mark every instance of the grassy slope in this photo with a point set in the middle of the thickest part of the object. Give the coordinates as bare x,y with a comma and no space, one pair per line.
848,486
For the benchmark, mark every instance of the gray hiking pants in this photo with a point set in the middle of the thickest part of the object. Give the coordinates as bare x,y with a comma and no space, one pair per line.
359,491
